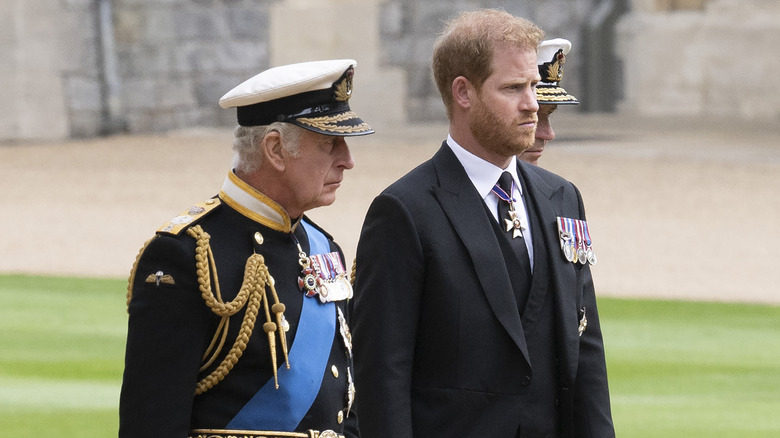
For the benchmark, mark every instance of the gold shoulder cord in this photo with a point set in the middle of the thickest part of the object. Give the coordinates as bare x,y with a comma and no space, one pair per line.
131,280
252,292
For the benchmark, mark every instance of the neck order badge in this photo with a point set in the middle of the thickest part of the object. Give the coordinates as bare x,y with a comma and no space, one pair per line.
504,190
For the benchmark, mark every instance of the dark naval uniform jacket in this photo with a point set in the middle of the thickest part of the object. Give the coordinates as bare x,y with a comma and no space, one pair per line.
171,326
443,346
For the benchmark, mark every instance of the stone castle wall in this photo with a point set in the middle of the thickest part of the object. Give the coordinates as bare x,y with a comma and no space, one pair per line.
159,65
702,58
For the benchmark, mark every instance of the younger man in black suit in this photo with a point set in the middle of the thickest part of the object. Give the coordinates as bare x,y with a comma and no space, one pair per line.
475,312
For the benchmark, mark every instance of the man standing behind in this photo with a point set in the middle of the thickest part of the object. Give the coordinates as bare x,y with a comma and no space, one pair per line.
551,55
237,307
470,321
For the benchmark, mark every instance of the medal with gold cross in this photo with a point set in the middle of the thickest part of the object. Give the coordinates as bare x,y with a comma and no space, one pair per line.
513,223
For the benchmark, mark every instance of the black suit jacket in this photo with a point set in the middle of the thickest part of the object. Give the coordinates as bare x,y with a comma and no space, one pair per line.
440,345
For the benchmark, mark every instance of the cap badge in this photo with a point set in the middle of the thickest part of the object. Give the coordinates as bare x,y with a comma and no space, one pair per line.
344,88
555,70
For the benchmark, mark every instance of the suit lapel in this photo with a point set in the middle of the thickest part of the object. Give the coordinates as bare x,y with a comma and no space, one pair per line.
457,196
547,202
537,194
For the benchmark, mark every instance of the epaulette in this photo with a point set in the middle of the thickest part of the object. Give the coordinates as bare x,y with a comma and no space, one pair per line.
189,216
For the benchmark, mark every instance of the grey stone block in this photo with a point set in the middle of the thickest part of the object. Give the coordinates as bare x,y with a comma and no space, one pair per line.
392,22
161,25
243,55
200,23
142,60
155,94
83,93
247,22
84,123
209,89
194,56
426,110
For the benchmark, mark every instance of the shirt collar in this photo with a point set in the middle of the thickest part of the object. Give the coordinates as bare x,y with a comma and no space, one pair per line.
246,200
484,175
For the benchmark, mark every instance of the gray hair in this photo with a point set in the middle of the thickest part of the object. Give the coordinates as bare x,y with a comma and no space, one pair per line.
247,156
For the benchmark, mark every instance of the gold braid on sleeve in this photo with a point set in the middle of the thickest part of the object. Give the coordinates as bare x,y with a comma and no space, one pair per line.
353,272
131,280
251,294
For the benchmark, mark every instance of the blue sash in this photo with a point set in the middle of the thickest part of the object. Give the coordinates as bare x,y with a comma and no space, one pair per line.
282,409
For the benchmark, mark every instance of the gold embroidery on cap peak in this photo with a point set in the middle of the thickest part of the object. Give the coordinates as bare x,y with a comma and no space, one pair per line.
329,123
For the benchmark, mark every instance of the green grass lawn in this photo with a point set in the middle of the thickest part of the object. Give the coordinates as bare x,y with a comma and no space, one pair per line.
61,356
683,369
677,369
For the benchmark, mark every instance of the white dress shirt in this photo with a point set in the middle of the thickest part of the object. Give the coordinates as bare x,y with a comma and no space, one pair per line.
484,175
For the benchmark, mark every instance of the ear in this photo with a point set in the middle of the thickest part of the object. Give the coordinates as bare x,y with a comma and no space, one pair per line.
273,152
462,92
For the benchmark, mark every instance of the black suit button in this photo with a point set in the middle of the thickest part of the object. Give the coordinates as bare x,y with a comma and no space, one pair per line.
526,381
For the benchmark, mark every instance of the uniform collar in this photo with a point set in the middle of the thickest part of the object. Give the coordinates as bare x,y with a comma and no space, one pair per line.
251,203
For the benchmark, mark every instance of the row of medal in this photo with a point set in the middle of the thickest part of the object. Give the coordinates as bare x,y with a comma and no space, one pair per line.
324,275
576,243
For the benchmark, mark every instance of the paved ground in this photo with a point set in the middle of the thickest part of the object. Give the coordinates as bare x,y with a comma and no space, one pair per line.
677,208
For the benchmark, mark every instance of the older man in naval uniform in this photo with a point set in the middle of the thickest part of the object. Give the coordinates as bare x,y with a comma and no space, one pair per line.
238,324
551,55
